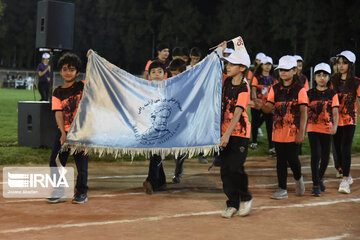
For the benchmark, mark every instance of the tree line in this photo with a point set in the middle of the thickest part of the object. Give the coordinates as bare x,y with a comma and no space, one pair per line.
126,32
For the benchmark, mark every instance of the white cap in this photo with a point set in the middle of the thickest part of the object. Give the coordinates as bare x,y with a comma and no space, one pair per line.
266,60
322,67
349,55
298,58
228,50
239,57
287,62
260,55
46,55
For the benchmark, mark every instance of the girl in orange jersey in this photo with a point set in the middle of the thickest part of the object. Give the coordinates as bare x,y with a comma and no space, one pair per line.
262,81
322,123
347,86
289,100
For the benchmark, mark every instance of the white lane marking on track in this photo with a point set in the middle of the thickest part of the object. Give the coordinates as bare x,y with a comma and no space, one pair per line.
158,218
345,235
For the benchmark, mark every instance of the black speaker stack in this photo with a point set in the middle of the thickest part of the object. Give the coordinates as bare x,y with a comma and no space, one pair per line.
54,32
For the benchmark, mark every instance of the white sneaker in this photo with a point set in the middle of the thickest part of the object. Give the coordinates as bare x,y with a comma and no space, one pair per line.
350,180
272,151
228,212
245,208
300,187
344,187
260,132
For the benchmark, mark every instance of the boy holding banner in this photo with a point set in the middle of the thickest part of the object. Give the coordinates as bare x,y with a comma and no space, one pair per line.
235,129
156,179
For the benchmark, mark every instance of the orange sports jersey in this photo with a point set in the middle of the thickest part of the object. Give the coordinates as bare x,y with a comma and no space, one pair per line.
304,80
235,96
224,78
250,75
348,105
263,85
67,100
286,101
321,104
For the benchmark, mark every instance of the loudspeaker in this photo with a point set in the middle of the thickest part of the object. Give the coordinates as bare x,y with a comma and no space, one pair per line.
55,25
36,124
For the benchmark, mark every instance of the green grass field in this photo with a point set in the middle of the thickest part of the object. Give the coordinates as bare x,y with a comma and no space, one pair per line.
12,153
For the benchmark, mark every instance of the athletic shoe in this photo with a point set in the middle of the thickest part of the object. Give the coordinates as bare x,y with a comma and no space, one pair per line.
203,159
300,187
322,186
80,198
245,208
316,192
229,212
253,146
260,133
344,187
55,200
147,187
272,151
339,173
176,179
279,194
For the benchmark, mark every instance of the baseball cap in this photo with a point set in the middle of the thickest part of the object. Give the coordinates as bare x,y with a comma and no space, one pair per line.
298,58
46,55
238,57
349,55
287,62
260,55
322,67
228,50
266,60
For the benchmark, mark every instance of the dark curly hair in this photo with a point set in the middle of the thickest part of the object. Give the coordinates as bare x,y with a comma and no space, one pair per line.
70,59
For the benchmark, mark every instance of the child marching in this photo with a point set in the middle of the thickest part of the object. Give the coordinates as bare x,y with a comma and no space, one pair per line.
289,100
347,86
235,130
323,116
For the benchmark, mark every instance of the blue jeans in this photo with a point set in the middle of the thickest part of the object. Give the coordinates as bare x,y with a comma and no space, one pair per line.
81,161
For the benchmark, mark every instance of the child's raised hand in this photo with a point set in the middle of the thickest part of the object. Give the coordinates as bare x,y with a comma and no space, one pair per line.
223,46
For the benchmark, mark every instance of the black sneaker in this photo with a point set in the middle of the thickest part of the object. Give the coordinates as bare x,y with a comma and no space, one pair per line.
147,187
316,192
322,186
80,198
176,179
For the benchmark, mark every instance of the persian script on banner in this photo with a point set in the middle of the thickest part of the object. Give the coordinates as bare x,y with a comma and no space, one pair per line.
122,114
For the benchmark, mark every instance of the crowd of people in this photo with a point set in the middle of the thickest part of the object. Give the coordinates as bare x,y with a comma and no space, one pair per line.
279,97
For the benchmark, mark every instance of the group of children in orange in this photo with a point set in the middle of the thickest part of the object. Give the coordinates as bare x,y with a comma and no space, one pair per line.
327,112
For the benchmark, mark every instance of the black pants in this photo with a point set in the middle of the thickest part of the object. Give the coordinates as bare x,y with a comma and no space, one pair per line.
343,141
44,90
257,119
233,175
320,150
287,153
81,161
156,175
